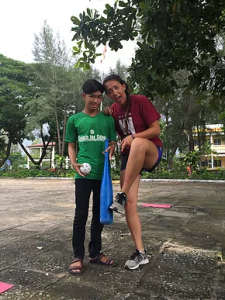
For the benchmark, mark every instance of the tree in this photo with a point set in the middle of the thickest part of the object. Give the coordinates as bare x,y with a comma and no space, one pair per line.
58,86
15,92
173,35
16,158
120,69
193,159
173,38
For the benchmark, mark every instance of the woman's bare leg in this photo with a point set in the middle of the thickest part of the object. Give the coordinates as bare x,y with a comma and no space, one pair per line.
143,154
132,216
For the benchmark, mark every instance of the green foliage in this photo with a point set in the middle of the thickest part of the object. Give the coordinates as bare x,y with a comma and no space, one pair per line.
17,160
181,173
25,173
58,87
179,165
115,174
192,158
91,30
120,69
51,83
15,92
178,63
59,160
172,36
206,149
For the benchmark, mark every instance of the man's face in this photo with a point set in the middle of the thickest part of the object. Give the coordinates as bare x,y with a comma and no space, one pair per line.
93,100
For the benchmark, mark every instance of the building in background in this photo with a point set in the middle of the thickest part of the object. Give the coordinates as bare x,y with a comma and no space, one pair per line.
36,150
49,160
214,134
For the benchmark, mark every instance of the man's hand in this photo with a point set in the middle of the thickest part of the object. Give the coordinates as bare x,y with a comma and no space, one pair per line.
76,167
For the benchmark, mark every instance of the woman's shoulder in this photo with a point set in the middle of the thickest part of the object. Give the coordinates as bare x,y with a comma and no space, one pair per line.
115,107
139,98
114,104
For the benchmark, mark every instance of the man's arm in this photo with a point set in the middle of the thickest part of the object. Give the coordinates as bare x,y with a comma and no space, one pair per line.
73,158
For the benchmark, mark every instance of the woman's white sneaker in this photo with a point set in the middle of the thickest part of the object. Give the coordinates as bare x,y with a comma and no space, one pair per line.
119,203
137,258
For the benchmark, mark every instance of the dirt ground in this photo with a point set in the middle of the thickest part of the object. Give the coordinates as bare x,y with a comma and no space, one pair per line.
185,243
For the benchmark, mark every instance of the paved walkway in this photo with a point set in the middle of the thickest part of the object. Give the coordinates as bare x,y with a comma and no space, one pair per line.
185,243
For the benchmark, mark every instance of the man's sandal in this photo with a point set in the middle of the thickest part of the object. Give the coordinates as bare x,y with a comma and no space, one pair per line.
98,260
76,270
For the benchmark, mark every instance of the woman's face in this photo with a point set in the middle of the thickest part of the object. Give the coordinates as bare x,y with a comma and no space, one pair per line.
116,91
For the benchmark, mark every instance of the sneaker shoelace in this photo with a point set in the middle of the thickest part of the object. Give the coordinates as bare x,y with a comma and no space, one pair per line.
135,255
121,198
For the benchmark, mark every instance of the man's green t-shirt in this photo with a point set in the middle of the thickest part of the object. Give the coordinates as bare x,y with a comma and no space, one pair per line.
90,134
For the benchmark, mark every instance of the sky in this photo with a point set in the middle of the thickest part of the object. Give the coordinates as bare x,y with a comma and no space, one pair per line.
21,19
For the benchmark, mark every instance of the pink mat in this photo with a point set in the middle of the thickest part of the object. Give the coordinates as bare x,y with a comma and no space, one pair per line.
4,287
156,205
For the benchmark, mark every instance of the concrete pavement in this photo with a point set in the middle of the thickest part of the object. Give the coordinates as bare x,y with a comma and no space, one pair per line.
185,244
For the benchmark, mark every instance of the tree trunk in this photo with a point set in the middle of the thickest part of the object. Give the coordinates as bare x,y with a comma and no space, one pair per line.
28,154
64,130
199,139
191,140
171,156
58,134
45,146
4,159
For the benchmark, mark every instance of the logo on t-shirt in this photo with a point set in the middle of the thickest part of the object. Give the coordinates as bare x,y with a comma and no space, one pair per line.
91,138
127,124
92,131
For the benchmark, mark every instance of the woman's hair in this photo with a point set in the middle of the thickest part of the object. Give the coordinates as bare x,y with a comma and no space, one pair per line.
121,81
91,86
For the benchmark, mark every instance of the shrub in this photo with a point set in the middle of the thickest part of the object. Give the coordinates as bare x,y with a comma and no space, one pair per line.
115,174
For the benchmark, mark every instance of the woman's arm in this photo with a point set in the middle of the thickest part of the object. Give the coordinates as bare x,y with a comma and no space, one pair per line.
153,130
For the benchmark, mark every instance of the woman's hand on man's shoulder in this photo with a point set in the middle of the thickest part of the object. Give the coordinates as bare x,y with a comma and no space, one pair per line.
107,110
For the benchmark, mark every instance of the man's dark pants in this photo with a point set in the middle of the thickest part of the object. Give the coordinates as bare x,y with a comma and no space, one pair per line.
83,189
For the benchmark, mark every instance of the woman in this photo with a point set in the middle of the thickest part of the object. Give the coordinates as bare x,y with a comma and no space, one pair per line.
137,123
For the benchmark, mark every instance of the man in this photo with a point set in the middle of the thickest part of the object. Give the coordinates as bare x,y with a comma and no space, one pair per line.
89,129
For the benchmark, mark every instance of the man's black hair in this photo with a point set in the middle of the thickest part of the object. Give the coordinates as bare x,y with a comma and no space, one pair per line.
91,86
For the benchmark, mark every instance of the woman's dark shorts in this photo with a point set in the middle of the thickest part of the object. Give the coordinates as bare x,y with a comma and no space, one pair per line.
124,159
